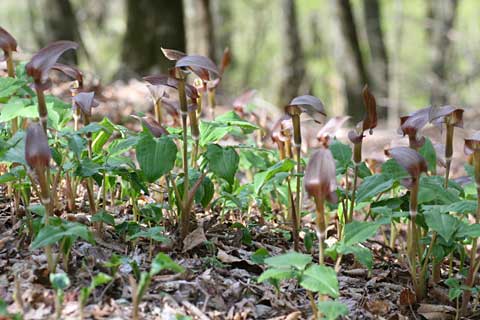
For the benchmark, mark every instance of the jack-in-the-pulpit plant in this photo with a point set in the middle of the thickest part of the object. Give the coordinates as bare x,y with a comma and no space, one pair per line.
356,137
314,108
39,67
452,117
415,165
37,156
321,184
8,44
472,147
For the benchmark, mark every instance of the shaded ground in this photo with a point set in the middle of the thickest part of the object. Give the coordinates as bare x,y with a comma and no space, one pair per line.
221,279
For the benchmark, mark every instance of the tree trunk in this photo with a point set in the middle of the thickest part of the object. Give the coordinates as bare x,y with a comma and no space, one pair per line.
223,25
151,25
293,67
378,53
199,27
441,16
349,59
61,24
395,95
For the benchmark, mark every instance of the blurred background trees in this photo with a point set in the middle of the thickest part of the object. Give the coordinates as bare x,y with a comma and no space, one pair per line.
410,53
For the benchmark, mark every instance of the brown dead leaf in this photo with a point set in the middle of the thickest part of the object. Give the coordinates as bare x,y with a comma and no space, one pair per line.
407,297
194,239
378,307
226,258
436,312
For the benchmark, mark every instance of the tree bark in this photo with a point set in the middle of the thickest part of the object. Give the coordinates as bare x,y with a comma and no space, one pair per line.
200,29
61,24
441,19
378,66
293,67
349,59
151,25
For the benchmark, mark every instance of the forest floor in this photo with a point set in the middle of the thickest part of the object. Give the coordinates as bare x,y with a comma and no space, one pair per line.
220,281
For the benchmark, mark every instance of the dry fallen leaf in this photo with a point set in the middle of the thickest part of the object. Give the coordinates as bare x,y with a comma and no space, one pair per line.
407,297
194,239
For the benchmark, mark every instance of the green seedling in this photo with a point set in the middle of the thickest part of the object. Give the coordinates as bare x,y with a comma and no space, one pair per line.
60,282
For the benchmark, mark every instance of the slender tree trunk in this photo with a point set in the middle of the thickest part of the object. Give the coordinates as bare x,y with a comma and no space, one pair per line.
349,59
395,97
441,21
378,53
60,24
199,27
293,72
151,25
223,25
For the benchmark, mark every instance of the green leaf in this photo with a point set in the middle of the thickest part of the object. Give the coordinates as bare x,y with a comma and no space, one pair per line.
259,256
363,255
105,217
87,168
321,279
156,156
372,186
211,132
463,207
231,118
392,170
276,274
332,310
430,155
432,190
204,193
50,234
59,281
8,87
154,233
444,224
100,138
164,262
100,279
288,260
223,161
468,231
342,153
359,231
262,178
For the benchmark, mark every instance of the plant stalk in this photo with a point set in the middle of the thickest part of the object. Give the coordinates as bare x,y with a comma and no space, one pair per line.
320,221
469,281
185,217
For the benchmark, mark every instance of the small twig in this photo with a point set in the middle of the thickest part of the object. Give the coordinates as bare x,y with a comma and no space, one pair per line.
197,312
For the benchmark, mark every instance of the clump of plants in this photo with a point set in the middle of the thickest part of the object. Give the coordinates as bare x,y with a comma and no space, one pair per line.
185,161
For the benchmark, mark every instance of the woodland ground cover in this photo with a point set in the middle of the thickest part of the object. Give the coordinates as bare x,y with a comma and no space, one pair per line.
204,212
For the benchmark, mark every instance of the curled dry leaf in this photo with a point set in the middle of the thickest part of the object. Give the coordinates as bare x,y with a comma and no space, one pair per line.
226,60
70,71
409,159
7,43
370,120
37,151
320,175
85,101
45,59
